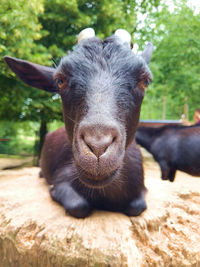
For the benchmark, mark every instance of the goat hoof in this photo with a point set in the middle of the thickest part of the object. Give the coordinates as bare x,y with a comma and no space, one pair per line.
79,211
136,207
73,203
52,192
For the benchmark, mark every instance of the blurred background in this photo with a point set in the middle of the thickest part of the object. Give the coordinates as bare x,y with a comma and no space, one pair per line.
42,31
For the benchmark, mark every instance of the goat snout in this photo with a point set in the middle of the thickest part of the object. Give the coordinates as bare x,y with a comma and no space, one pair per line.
98,149
98,141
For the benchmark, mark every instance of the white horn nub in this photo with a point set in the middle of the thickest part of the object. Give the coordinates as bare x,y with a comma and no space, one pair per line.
85,34
123,35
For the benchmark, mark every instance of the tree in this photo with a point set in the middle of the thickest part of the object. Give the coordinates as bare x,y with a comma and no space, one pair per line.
63,20
19,28
176,59
20,31
40,30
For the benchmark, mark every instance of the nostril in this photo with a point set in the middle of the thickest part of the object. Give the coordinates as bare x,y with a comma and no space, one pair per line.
114,139
90,148
87,143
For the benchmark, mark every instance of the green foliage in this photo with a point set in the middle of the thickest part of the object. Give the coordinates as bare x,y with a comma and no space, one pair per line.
42,30
12,97
19,28
55,125
20,137
63,20
176,60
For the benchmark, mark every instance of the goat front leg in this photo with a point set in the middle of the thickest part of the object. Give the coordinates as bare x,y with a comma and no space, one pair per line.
167,172
74,204
172,174
136,206
165,169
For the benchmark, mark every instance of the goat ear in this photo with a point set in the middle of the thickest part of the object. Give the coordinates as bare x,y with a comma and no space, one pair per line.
32,74
146,54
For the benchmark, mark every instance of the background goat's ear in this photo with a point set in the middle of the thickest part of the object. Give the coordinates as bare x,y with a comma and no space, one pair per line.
146,54
32,74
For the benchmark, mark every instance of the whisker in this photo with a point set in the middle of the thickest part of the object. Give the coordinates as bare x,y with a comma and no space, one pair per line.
71,119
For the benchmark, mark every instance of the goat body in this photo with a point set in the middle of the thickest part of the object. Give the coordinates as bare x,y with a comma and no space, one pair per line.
93,162
174,147
60,169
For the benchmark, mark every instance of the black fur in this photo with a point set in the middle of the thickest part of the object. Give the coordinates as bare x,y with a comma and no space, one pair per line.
174,147
94,162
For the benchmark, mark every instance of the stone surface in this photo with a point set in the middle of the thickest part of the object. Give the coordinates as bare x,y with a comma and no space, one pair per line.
12,163
35,231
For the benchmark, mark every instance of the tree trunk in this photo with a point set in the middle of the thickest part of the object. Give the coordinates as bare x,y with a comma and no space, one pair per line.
164,107
39,144
186,109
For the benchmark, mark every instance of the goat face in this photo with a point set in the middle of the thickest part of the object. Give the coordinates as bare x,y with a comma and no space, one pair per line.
101,84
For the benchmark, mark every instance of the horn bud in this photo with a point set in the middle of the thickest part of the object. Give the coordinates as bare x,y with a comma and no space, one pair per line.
86,34
124,36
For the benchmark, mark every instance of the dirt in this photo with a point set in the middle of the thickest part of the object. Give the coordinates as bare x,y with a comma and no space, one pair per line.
12,163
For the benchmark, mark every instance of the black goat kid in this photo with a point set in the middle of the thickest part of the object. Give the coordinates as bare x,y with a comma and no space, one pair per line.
93,162
174,147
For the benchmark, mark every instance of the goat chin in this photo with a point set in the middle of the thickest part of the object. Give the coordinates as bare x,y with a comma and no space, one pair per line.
98,181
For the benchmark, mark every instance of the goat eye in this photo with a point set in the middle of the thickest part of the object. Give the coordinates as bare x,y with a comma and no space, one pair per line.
143,84
59,83
146,82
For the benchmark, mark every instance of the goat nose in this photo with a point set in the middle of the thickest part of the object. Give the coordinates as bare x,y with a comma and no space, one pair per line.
98,143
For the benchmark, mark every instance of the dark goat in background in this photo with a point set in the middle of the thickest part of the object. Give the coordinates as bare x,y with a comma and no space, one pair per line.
174,147
94,162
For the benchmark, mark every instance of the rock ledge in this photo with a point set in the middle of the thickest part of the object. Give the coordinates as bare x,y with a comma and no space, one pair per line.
35,231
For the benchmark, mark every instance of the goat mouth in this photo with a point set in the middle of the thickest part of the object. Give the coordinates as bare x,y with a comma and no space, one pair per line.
98,169
98,181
